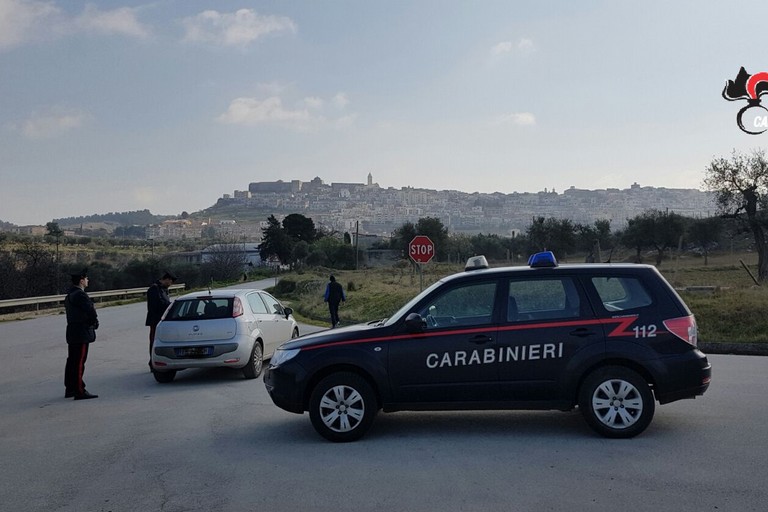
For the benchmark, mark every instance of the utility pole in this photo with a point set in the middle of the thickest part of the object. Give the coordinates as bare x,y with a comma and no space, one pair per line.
357,242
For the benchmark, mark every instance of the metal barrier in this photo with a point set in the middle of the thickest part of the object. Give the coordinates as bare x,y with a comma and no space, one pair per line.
49,299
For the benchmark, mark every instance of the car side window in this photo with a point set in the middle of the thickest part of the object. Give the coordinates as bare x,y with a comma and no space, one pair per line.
257,305
542,299
273,305
620,293
465,305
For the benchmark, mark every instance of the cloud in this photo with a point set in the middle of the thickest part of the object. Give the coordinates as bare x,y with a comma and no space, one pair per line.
233,29
314,102
121,21
22,21
523,46
517,118
340,101
52,123
501,48
309,115
251,111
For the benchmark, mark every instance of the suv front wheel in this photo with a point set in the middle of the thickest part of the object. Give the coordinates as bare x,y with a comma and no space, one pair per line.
616,402
342,407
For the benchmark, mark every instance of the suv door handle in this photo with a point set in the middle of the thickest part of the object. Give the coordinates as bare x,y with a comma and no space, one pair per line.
582,332
480,339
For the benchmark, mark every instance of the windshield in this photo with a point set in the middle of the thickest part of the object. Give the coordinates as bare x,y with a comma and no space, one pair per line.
412,303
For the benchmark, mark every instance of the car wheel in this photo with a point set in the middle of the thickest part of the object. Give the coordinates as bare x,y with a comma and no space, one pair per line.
295,333
616,402
164,377
252,369
342,407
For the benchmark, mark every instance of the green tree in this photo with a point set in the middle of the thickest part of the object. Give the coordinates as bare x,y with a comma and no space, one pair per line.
491,246
551,234
740,185
275,242
654,228
436,231
459,247
299,253
334,252
300,228
402,236
593,239
705,233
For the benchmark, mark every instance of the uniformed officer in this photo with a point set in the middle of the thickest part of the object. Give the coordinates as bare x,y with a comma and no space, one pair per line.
82,322
158,301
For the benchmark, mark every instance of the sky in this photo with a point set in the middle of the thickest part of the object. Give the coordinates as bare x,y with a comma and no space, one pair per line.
166,105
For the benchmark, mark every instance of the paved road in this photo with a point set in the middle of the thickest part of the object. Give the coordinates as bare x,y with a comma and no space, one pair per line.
212,441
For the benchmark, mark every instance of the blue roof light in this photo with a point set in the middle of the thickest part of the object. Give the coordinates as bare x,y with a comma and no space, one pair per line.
542,259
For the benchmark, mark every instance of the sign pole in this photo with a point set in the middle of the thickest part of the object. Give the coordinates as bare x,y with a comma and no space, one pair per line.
421,278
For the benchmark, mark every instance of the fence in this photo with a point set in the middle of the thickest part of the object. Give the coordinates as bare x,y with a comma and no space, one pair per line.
59,299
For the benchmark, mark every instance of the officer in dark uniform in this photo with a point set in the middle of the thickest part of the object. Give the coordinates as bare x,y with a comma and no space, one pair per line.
82,322
158,301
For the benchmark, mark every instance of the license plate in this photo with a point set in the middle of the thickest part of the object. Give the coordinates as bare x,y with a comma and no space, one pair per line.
194,351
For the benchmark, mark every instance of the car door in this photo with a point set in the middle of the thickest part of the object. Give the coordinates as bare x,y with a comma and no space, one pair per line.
548,323
451,360
275,322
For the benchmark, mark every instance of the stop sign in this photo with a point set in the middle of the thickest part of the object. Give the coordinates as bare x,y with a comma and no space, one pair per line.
421,249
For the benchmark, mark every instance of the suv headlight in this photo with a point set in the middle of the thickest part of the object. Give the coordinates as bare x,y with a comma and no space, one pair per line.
282,356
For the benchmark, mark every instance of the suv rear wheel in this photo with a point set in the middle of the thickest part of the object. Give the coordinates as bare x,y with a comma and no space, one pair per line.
616,402
342,407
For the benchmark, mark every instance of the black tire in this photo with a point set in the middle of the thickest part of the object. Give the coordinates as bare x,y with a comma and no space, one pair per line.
616,402
295,333
253,368
342,407
164,377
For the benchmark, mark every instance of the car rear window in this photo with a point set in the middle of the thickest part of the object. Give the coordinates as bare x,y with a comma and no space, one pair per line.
619,293
200,308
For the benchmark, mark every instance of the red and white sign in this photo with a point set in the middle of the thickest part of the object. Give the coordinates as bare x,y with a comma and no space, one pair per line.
421,249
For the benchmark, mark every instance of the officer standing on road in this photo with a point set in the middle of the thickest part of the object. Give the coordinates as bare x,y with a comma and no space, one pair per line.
334,294
82,322
158,301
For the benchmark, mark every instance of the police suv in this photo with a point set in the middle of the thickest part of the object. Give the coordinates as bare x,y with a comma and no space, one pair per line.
609,338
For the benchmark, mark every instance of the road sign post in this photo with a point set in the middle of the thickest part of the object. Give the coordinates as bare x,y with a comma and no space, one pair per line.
421,250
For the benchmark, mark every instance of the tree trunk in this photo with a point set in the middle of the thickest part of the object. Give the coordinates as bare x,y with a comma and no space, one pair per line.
762,251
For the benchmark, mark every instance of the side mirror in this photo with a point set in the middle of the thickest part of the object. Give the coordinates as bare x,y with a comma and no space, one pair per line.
414,323
288,312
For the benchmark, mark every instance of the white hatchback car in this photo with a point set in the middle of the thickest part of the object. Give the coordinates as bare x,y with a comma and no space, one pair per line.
236,328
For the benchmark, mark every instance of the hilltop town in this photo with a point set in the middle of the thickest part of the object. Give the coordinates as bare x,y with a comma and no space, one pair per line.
372,209
368,209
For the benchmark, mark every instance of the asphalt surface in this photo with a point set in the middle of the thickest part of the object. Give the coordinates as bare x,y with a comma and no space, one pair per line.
213,441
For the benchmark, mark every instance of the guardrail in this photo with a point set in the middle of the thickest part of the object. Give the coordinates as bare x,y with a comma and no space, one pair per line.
49,299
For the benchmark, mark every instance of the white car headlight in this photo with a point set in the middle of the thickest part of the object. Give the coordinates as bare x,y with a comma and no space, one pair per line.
281,356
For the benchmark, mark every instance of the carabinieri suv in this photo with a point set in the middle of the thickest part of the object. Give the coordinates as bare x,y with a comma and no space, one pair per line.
610,339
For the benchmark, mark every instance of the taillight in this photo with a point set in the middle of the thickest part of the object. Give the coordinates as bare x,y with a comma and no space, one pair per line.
237,308
684,328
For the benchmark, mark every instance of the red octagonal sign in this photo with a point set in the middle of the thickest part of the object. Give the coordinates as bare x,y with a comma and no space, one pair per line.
421,249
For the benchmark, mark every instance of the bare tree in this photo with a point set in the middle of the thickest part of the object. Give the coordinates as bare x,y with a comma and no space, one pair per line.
225,261
740,185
